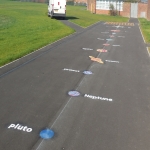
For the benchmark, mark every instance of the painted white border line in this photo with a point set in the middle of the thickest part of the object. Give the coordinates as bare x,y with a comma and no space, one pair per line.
144,40
148,51
142,34
36,50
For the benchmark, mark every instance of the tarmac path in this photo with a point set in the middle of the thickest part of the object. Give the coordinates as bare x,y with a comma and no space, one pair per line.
112,110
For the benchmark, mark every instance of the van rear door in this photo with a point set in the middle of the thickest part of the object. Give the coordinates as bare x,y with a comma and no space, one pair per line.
60,6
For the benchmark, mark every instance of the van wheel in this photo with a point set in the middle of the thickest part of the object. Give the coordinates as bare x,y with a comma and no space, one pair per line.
51,14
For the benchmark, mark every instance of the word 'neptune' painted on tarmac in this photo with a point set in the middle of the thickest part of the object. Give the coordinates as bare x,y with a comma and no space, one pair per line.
88,49
74,93
101,50
98,97
20,127
112,61
96,59
47,134
71,70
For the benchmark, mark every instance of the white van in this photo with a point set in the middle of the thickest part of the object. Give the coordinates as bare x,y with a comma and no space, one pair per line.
57,8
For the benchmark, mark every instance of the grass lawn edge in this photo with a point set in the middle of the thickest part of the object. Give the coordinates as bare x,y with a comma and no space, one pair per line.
36,50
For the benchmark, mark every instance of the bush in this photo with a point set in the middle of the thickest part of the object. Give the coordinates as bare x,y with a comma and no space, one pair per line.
112,10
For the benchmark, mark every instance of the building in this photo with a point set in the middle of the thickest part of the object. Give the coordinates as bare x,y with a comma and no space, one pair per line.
125,9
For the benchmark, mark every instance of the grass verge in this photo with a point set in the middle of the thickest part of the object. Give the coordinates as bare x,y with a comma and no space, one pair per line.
84,18
145,27
26,28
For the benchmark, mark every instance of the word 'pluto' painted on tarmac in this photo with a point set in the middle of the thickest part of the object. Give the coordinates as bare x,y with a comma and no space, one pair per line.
101,50
112,61
20,127
100,39
96,59
106,44
87,72
74,93
113,33
46,134
71,70
98,97
88,49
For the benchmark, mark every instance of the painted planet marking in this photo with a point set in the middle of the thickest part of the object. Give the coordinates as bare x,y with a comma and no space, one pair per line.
46,134
73,93
87,72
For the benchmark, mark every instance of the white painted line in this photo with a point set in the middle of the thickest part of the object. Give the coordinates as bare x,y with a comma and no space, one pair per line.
122,36
116,45
88,49
112,61
71,70
142,34
104,32
100,39
148,51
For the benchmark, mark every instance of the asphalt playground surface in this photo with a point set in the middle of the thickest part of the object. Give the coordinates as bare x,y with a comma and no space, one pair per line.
112,111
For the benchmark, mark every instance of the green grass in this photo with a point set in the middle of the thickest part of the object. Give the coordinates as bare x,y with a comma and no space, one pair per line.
25,27
145,27
84,18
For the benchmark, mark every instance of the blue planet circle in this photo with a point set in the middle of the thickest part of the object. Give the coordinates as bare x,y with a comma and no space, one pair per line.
87,72
47,134
73,93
